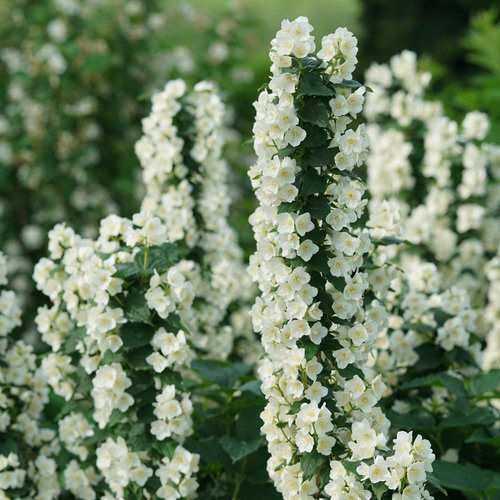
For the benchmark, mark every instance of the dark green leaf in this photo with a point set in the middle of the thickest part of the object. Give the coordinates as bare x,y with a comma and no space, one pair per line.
466,478
137,358
295,407
239,449
379,489
315,111
315,136
311,463
318,207
137,310
136,335
483,437
248,423
319,157
312,84
453,384
434,482
477,416
348,84
417,327
312,182
223,374
484,384
411,421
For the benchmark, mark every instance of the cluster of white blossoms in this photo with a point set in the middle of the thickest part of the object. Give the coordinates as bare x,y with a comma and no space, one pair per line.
318,312
120,466
186,188
10,310
421,312
170,349
174,416
23,396
116,297
176,475
441,174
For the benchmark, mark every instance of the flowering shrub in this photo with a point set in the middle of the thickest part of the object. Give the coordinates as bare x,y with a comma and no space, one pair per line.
436,179
70,74
186,186
442,176
23,396
121,351
318,313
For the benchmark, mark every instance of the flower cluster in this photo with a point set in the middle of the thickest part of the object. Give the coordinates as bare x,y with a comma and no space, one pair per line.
319,311
440,173
423,314
23,397
186,188
430,352
120,350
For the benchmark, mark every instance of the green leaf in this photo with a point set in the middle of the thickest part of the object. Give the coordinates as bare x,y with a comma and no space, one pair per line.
159,258
311,463
315,136
411,421
417,327
453,384
137,358
310,348
127,270
137,310
8,445
483,437
477,416
165,448
136,335
348,84
295,407
248,423
222,373
252,386
312,182
255,471
310,62
350,371
98,62
288,151
318,207
139,439
315,111
484,384
319,157
346,173
434,482
379,489
174,323
430,356
350,466
239,449
319,262
210,451
466,478
312,84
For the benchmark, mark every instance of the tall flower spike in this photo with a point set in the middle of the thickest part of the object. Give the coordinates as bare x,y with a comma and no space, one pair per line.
444,178
318,312
186,187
